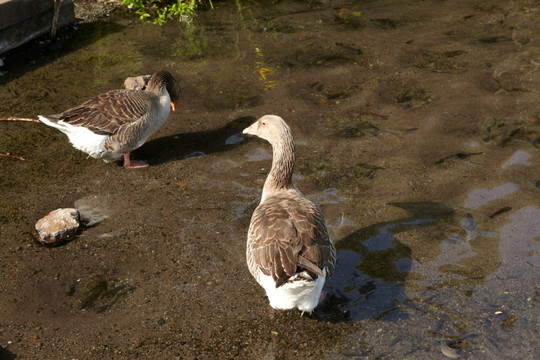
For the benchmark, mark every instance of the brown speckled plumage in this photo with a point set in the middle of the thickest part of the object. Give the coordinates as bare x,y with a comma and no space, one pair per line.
288,234
287,237
126,117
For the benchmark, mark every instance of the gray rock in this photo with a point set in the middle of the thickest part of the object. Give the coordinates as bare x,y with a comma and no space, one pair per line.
58,226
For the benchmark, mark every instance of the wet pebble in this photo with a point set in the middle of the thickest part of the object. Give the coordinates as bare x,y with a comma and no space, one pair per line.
449,351
258,154
57,226
194,154
223,166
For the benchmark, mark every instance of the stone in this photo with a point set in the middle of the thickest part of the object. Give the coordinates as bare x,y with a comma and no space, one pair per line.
58,226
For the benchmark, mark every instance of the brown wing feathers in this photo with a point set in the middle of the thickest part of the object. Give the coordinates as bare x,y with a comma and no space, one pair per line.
287,239
106,113
308,265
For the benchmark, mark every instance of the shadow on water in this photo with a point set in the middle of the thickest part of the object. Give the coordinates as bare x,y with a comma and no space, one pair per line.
41,51
180,146
5,354
102,293
373,266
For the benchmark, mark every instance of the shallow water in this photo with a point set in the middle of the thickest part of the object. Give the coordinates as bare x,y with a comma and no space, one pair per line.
417,134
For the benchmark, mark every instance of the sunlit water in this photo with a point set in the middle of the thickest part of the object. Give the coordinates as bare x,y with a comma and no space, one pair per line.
433,306
444,280
416,305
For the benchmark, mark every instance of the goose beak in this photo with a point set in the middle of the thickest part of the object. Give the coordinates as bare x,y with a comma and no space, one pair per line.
251,130
173,106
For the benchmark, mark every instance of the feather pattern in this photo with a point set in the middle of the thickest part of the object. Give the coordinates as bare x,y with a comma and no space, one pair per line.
117,122
284,234
289,251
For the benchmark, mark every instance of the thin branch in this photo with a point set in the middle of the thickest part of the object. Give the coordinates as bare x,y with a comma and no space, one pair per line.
13,118
12,156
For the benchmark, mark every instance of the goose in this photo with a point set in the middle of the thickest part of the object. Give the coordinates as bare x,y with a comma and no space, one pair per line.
289,251
113,124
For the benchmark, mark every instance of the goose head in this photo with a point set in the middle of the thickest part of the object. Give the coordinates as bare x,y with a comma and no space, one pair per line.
164,78
271,128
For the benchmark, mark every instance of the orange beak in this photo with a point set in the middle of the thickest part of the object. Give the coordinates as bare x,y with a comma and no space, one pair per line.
173,106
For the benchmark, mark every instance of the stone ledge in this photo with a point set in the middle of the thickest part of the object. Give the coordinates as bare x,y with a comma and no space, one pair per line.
24,20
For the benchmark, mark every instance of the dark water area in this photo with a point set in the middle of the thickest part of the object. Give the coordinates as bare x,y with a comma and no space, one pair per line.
417,133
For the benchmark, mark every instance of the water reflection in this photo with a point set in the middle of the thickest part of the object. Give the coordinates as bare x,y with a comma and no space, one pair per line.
423,286
481,197
328,196
194,154
518,243
470,229
373,265
223,166
338,224
234,139
520,157
258,155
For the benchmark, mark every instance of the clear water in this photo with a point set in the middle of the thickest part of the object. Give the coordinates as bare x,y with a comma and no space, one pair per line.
431,198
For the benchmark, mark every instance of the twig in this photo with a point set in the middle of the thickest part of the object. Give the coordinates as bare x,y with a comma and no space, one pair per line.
13,156
378,116
13,118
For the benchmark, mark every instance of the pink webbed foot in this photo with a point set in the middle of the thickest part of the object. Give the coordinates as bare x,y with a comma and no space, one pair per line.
133,164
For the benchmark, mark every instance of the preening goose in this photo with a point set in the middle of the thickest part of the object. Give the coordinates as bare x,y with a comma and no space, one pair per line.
111,125
289,251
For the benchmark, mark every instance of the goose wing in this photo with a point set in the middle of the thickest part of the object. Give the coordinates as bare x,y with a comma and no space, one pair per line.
287,236
106,113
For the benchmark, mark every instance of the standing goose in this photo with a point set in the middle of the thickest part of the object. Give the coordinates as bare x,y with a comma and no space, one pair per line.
113,124
289,251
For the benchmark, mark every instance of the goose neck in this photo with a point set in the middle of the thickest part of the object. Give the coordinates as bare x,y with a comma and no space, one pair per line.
280,176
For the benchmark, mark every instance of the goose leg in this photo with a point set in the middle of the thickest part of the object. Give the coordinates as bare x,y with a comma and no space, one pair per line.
322,297
129,164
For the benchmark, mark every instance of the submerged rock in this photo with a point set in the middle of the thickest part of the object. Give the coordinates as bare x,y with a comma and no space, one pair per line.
57,226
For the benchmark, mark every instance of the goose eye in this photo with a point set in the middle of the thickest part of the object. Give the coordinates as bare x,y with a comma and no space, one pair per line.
263,123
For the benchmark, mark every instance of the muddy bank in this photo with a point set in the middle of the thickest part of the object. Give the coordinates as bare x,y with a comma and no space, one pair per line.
417,134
